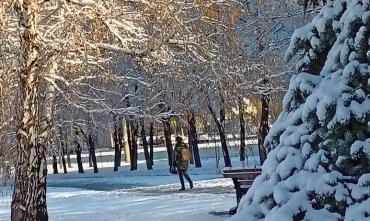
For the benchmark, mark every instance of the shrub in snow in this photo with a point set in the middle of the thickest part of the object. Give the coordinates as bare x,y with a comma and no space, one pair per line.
318,162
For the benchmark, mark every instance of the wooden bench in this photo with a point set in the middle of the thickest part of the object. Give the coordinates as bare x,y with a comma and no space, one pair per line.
242,179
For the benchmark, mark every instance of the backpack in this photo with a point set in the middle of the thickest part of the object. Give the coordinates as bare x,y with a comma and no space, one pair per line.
185,153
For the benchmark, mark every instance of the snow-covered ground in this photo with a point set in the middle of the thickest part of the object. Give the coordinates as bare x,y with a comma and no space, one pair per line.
136,195
149,203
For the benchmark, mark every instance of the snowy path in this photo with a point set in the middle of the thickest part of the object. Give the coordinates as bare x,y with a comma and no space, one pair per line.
134,195
77,204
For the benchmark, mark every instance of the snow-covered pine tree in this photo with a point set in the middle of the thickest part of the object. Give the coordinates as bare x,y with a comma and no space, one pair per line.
319,148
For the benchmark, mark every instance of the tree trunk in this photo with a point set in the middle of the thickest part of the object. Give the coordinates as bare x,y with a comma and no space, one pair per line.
78,155
29,196
126,140
64,164
221,131
90,160
92,153
145,147
151,143
112,134
62,157
69,159
120,140
167,136
117,151
194,139
264,128
55,165
242,129
178,127
79,159
134,136
190,143
60,163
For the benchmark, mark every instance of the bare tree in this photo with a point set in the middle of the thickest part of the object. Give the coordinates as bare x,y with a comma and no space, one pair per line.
84,44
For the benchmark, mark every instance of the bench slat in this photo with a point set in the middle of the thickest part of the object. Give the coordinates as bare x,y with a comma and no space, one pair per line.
241,170
245,176
246,187
245,182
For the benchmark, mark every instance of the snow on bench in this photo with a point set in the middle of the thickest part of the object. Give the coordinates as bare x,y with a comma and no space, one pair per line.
242,179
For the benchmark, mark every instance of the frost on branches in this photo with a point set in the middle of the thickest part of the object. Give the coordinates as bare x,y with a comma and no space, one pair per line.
319,152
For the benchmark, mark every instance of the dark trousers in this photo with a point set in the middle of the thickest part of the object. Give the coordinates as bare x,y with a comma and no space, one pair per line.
182,174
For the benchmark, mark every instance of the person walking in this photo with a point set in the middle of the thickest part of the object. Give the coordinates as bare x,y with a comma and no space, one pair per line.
181,162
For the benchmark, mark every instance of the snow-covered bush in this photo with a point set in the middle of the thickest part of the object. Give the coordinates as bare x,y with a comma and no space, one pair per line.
318,168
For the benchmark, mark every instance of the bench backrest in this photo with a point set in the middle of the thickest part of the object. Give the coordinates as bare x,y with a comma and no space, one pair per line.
245,174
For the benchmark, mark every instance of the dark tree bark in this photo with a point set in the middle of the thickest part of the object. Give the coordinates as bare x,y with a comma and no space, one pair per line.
79,159
194,139
167,136
134,154
145,147
264,128
151,143
78,155
90,160
117,152
221,131
55,165
60,162
63,158
190,143
92,153
242,129
69,159
64,164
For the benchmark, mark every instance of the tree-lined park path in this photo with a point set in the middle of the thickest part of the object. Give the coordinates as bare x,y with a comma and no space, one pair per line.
95,93
127,196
